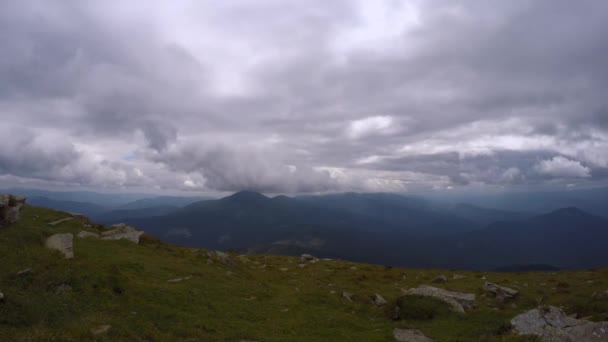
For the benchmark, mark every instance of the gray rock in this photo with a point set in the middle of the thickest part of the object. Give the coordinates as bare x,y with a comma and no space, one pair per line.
552,324
122,231
54,223
500,292
13,214
85,234
62,243
410,335
348,296
177,280
378,300
458,276
440,279
457,300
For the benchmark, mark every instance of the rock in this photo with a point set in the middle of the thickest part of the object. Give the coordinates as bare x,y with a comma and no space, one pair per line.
410,335
122,231
348,296
101,329
458,276
85,234
457,300
54,223
552,324
500,292
221,257
62,243
10,209
24,272
284,269
177,280
307,258
378,300
1,297
440,279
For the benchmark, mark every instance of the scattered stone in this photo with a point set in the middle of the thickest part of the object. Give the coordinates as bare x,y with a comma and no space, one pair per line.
54,223
551,324
122,231
101,329
410,335
440,279
177,280
348,296
222,257
500,292
24,272
85,234
354,268
284,269
332,292
378,300
458,276
457,300
63,288
62,243
307,258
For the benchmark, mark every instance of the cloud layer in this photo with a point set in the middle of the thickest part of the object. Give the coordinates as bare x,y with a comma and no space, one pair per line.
315,96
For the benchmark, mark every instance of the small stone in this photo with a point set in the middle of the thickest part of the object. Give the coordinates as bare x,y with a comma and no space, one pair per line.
458,276
354,268
101,329
54,223
410,335
85,234
24,272
284,269
1,297
347,295
62,243
177,280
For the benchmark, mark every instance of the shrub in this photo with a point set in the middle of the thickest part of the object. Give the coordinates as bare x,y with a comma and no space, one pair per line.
420,308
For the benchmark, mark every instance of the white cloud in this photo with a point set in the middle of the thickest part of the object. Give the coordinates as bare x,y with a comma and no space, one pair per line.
373,125
562,167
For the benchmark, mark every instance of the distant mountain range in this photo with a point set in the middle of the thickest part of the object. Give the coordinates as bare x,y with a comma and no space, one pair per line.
381,228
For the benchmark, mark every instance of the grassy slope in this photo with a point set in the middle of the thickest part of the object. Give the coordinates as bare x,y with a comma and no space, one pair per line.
125,285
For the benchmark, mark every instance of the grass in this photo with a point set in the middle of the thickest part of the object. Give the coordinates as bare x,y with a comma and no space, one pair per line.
126,286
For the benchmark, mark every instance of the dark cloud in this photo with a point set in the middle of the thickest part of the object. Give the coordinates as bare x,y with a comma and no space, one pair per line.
287,96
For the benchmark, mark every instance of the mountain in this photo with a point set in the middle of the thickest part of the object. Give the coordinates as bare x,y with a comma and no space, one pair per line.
102,199
89,209
485,216
161,201
384,229
119,215
566,238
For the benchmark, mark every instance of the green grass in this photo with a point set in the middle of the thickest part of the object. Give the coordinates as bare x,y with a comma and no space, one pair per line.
125,285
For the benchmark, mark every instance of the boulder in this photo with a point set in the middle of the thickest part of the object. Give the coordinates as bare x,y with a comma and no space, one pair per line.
457,300
62,243
85,234
500,292
10,209
552,324
122,231
378,300
410,335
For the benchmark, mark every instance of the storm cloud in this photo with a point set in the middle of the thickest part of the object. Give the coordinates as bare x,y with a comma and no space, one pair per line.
304,96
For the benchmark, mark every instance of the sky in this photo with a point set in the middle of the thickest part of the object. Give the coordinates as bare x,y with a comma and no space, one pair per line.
308,96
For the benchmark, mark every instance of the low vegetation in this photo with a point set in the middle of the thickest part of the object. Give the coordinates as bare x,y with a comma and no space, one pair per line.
157,292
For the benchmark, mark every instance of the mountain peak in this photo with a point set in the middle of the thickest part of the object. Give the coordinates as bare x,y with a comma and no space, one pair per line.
246,195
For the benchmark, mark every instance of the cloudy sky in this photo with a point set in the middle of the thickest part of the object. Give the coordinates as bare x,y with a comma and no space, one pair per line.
303,96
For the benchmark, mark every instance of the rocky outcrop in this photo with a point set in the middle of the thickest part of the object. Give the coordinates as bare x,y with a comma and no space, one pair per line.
410,335
222,257
457,300
440,279
552,324
62,243
121,231
500,292
56,222
10,209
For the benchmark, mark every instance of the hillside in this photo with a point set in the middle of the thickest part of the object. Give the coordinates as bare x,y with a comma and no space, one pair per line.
118,290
